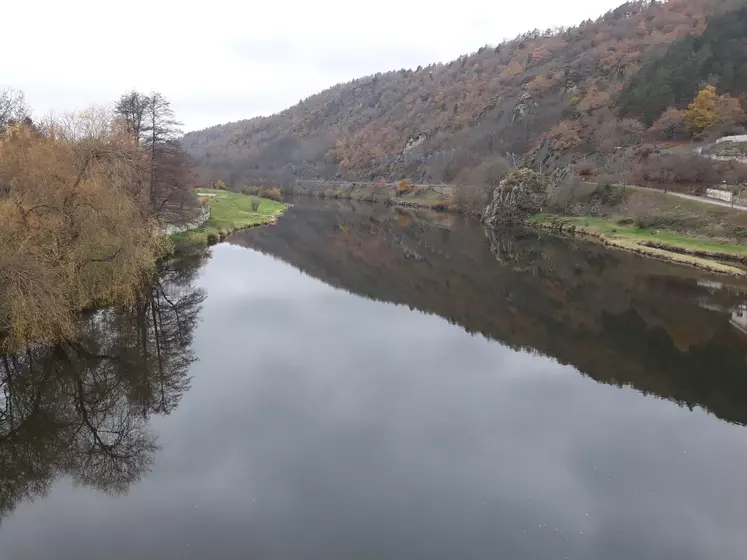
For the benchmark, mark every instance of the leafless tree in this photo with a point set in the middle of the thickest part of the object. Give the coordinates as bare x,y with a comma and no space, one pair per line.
13,107
94,123
82,408
151,121
132,108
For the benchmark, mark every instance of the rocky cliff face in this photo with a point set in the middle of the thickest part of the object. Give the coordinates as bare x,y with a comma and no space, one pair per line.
523,193
525,106
416,141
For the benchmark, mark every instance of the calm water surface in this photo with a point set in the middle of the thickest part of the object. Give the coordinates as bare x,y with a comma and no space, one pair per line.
364,383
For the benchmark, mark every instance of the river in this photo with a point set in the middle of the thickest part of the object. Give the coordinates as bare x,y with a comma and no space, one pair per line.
359,382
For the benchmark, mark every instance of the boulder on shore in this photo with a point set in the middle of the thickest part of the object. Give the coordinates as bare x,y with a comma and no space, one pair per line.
523,193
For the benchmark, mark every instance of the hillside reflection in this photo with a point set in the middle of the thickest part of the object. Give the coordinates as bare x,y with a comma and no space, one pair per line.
82,408
669,331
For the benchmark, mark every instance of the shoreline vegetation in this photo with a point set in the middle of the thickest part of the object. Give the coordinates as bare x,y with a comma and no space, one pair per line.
84,197
660,244
230,212
86,203
650,223
404,194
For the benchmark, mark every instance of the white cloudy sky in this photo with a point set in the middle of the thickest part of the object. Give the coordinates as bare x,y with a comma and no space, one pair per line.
224,60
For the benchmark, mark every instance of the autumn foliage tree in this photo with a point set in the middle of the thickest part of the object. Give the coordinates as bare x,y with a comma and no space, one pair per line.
564,135
670,126
539,86
84,197
709,110
701,113
71,233
403,187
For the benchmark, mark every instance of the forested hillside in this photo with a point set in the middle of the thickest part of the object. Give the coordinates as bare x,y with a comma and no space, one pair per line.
717,57
551,97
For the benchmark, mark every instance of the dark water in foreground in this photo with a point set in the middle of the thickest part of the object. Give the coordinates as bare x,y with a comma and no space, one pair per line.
490,396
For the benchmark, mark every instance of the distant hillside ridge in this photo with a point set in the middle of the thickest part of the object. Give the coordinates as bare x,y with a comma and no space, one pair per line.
546,97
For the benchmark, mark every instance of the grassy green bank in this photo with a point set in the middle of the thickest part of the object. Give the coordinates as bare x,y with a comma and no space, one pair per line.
229,212
707,254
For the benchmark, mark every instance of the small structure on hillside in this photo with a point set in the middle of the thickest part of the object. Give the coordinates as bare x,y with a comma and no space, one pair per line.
720,194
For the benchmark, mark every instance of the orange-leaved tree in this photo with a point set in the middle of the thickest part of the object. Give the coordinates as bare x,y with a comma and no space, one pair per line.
403,187
564,135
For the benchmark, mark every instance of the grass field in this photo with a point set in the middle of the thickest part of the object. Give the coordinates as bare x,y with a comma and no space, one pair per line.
229,212
711,211
425,197
702,253
648,235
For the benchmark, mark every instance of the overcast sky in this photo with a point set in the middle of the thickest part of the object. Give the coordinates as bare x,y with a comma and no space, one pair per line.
225,60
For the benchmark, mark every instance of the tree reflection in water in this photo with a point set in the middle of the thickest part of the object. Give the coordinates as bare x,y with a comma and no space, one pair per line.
82,408
670,331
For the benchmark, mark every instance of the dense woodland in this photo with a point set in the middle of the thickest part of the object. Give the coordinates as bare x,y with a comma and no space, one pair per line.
546,98
673,77
83,200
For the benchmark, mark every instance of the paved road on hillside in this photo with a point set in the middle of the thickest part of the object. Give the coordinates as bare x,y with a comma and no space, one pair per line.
692,197
702,199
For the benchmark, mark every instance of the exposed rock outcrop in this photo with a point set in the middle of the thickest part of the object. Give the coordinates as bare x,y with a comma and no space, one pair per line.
523,193
525,106
416,141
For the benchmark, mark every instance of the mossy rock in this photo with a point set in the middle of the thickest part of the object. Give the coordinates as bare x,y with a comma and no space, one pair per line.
523,193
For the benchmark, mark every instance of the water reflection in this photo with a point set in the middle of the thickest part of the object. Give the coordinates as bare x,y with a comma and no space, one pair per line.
82,408
620,319
324,425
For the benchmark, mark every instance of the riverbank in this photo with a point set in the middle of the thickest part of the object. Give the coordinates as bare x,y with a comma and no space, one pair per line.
708,236
432,197
230,212
706,254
